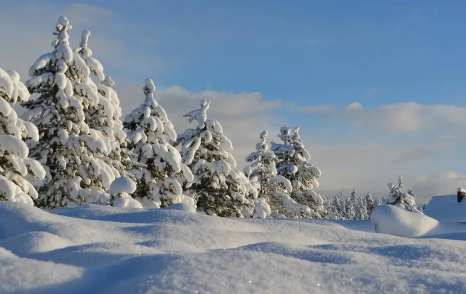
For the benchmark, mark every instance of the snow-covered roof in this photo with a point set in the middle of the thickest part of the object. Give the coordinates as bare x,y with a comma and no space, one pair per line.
446,209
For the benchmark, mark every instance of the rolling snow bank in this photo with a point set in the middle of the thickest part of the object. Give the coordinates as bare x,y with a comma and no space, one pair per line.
104,249
392,220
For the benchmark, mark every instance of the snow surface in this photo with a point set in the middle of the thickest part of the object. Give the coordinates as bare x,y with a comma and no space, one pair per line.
446,209
103,249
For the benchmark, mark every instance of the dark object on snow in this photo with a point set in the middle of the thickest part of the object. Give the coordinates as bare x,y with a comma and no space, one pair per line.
460,195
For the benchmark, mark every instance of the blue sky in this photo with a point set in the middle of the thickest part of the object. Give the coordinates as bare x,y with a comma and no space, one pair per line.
307,51
299,62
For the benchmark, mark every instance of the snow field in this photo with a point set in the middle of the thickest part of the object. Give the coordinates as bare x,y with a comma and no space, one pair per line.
103,249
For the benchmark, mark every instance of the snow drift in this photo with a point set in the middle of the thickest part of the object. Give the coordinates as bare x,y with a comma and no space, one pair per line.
392,220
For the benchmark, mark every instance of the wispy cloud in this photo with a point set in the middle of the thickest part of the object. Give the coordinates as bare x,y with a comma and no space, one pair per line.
371,91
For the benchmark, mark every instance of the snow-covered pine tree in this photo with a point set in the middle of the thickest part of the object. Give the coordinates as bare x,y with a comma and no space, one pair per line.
274,189
15,166
327,209
218,188
67,148
294,164
354,198
398,197
337,207
106,115
159,184
370,203
350,212
363,212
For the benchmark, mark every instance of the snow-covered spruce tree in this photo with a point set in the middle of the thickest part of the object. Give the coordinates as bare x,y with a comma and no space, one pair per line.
327,209
337,209
294,164
159,184
106,115
15,166
370,203
67,148
398,197
274,189
350,212
359,204
218,188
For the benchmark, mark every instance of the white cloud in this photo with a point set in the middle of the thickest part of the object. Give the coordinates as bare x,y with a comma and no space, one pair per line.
407,117
372,167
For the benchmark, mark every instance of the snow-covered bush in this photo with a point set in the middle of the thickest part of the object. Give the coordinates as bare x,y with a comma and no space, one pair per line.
273,189
15,166
160,183
121,190
294,164
105,116
69,150
218,188
402,199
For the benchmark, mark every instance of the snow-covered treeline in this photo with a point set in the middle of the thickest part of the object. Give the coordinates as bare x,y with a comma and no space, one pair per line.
72,146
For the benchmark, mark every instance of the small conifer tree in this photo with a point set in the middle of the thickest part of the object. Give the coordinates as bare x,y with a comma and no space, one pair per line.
159,184
218,188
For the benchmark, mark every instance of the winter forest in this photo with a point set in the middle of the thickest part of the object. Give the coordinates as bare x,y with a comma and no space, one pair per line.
95,200
73,145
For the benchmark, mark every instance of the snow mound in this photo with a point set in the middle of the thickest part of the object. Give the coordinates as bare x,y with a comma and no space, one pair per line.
34,242
395,221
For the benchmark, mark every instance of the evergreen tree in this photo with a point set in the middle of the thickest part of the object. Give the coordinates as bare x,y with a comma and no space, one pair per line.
218,188
106,115
294,164
398,197
370,204
338,209
355,200
15,166
274,189
67,148
159,184
327,209
350,212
